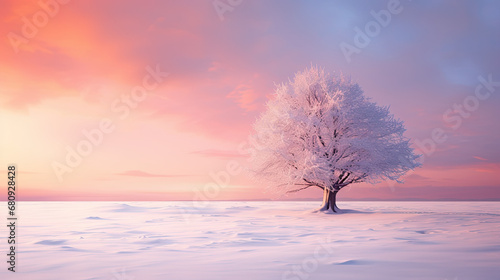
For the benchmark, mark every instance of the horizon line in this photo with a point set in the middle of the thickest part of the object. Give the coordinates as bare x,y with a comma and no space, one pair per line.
271,200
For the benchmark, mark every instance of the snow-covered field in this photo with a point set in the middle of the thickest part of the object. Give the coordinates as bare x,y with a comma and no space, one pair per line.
255,240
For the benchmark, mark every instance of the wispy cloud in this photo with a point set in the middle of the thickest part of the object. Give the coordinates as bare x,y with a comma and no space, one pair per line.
219,153
140,173
480,158
245,97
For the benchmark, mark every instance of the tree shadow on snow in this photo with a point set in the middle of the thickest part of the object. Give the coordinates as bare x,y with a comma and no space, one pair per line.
341,211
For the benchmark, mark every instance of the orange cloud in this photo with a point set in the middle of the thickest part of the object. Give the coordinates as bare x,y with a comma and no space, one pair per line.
245,97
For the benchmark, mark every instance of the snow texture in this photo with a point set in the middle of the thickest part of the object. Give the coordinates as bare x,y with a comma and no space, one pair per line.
256,240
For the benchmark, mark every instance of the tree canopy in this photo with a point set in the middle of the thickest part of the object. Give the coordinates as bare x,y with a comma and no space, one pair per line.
320,130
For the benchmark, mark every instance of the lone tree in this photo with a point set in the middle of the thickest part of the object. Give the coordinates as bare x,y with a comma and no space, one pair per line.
320,131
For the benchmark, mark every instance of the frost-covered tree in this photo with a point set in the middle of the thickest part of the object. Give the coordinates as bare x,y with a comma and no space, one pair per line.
319,130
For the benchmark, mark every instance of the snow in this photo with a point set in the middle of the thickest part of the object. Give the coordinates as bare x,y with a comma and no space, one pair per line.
256,240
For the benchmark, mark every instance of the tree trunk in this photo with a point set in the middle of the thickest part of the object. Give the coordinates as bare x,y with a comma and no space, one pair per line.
329,200
333,201
326,200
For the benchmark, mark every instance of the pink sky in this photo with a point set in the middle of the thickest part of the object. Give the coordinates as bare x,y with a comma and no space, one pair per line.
82,62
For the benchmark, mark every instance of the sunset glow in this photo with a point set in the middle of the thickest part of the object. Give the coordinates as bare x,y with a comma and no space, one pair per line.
153,100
